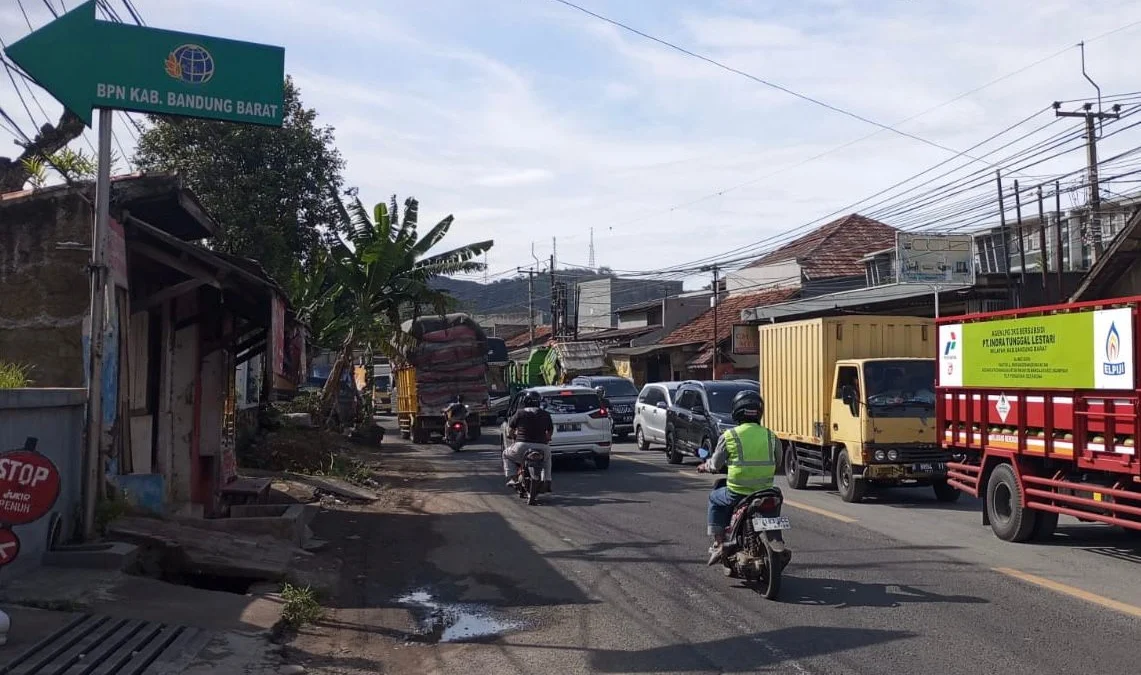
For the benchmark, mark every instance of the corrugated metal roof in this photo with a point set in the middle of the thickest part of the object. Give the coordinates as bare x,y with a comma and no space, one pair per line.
842,300
580,356
617,333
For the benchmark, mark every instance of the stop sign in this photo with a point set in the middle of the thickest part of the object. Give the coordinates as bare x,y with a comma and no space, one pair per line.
9,547
29,486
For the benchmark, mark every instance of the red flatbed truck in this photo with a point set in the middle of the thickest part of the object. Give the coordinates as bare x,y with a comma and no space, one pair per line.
1041,409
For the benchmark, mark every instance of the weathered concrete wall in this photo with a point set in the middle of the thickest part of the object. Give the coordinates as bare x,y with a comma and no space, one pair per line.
55,418
45,293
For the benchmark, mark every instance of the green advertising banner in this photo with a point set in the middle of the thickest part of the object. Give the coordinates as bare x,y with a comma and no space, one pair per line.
1042,352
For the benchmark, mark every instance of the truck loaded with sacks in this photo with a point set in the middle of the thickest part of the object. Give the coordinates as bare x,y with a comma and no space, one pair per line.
441,357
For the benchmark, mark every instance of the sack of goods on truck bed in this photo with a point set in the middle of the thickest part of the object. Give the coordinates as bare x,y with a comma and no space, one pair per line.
455,356
438,396
441,340
450,358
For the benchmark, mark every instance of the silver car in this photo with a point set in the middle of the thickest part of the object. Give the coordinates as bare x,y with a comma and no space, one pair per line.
582,427
650,413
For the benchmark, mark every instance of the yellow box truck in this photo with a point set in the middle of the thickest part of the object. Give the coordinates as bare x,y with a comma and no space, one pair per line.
853,400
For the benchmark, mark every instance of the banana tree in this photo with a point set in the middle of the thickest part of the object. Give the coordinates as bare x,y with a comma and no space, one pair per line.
382,268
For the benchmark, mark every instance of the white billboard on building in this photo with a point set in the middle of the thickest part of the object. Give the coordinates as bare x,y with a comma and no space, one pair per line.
923,258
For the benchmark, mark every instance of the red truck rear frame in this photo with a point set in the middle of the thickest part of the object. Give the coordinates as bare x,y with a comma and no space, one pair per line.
1071,451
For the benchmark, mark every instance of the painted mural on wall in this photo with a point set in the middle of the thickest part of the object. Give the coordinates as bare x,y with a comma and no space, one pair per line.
29,487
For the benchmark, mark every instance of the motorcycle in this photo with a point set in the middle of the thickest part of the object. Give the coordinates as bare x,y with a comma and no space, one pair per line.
754,547
457,430
457,435
529,477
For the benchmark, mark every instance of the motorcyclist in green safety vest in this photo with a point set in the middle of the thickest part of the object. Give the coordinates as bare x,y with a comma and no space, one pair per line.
749,450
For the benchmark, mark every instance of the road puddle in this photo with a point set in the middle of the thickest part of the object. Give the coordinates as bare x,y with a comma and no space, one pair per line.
454,622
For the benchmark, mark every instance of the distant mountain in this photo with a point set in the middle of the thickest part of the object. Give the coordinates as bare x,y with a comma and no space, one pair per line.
509,296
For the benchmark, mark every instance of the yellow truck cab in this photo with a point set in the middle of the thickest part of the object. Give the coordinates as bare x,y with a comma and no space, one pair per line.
852,400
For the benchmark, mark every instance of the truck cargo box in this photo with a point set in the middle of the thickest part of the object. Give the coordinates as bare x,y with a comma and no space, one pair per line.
798,359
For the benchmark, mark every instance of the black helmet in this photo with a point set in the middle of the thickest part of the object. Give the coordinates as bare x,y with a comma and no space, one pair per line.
531,399
601,391
748,407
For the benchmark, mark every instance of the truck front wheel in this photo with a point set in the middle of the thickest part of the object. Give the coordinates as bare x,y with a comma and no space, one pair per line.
793,471
1010,520
945,492
851,489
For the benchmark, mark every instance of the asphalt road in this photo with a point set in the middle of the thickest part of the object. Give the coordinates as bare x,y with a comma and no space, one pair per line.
607,575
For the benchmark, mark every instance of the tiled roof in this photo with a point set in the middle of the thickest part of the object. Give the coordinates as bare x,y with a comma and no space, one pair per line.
835,249
702,359
524,339
617,333
700,330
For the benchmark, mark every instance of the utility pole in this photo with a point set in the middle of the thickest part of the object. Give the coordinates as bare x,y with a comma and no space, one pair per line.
577,299
716,302
553,299
1091,117
1043,258
1021,243
1058,237
93,466
530,271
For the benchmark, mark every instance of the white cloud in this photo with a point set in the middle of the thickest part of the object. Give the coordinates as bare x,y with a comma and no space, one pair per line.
528,121
737,32
515,178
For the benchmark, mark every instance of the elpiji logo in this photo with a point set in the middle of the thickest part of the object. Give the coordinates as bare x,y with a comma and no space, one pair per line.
1112,364
950,344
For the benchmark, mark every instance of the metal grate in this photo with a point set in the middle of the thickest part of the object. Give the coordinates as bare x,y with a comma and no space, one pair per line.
102,645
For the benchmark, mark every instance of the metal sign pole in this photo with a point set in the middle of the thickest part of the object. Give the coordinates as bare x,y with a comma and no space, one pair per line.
93,466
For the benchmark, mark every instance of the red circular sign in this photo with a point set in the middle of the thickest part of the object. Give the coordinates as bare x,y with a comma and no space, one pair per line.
9,546
29,486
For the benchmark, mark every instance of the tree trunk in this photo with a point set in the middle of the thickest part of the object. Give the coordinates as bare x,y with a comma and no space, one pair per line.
50,140
330,395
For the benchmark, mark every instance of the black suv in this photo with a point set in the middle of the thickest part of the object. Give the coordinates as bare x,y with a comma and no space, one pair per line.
701,412
622,395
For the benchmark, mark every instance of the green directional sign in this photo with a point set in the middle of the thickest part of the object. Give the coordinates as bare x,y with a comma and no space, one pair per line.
86,63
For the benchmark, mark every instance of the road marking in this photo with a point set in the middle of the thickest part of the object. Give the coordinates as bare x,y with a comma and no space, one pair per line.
1124,608
796,505
819,511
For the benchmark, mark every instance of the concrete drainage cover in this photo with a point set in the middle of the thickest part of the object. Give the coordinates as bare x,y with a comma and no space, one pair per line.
101,645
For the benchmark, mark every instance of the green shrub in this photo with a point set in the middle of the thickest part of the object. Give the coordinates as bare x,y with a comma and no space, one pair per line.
14,375
300,606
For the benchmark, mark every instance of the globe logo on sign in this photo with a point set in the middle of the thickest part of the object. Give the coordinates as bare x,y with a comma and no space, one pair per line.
190,63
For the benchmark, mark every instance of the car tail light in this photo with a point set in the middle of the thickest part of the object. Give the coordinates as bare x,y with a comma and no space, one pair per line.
604,444
600,413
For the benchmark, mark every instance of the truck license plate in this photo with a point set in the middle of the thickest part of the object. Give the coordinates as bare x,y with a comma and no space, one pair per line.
568,426
769,524
929,467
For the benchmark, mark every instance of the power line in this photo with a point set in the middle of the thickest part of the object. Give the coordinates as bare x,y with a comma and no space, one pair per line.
20,4
759,80
798,164
750,251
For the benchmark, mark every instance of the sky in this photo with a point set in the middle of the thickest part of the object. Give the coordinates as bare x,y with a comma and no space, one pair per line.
530,121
